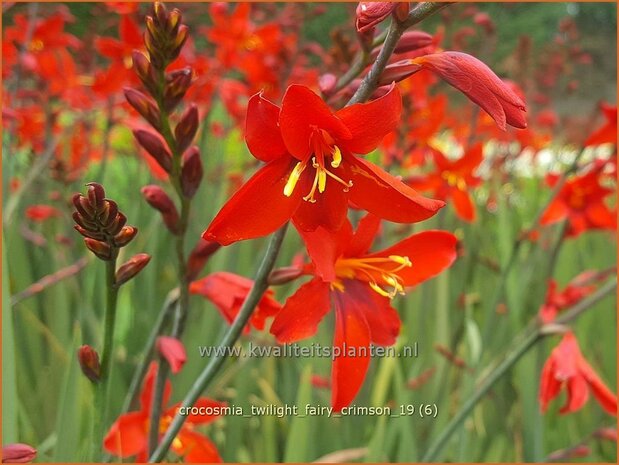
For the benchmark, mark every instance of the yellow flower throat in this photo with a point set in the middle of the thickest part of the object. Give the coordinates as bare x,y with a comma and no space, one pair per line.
379,272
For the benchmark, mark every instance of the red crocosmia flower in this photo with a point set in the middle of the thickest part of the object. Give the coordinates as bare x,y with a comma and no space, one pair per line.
128,436
576,290
360,285
312,171
479,83
581,202
607,134
40,213
567,367
173,351
228,291
452,179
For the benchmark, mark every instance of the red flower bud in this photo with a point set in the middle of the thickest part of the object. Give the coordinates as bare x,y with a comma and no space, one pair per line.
144,70
131,268
177,83
108,212
398,71
96,194
155,148
284,275
179,41
199,256
144,106
191,172
117,224
18,453
472,77
413,40
327,83
160,201
100,249
126,235
83,206
89,363
369,14
402,11
186,128
173,351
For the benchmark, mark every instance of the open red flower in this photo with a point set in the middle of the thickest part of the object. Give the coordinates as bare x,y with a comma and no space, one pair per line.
566,367
479,83
312,171
128,436
452,179
228,291
360,285
607,134
581,202
576,290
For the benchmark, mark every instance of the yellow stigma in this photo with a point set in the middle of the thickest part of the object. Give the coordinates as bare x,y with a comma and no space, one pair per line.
293,179
337,157
401,260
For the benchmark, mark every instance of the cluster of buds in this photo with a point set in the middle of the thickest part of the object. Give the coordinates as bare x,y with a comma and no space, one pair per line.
105,230
170,147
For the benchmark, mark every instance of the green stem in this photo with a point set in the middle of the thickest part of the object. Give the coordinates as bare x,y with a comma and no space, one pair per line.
103,386
529,340
232,335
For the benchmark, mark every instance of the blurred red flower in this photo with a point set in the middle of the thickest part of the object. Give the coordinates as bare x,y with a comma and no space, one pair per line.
40,213
128,436
452,180
228,291
173,351
607,134
360,284
581,202
566,367
312,171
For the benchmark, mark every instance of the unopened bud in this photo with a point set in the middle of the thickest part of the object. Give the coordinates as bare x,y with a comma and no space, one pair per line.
100,249
155,148
191,172
117,224
126,235
144,70
131,268
144,106
199,256
177,83
96,194
397,72
327,83
108,212
370,14
89,363
160,201
413,40
284,275
179,41
186,128
402,11
18,453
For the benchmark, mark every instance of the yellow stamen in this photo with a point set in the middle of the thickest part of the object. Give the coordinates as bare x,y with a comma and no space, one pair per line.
293,179
380,290
322,180
337,157
379,272
401,260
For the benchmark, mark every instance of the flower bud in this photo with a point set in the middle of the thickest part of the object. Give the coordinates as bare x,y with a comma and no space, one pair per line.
191,172
155,148
186,128
199,256
370,14
284,275
83,206
160,201
126,235
117,224
89,363
18,453
402,11
327,83
144,106
144,70
173,351
99,248
398,71
177,83
108,212
131,268
413,40
96,194
179,41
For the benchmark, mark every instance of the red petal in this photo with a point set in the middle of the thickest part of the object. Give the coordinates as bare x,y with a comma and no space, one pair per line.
370,122
577,394
362,239
130,32
606,398
146,396
302,111
196,448
127,436
262,134
469,162
173,351
108,47
556,211
329,210
388,198
549,385
302,312
324,247
352,337
258,208
601,216
430,252
463,204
